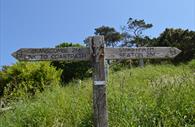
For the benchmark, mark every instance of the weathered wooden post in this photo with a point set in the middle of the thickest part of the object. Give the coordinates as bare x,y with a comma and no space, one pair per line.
100,115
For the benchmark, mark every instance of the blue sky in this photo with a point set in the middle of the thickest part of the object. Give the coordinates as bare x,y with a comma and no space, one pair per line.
46,23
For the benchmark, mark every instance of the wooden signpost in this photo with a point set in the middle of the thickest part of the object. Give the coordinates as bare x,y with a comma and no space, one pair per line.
55,54
97,54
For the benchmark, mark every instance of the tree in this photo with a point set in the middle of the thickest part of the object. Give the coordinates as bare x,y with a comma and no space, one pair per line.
133,34
72,70
111,36
182,39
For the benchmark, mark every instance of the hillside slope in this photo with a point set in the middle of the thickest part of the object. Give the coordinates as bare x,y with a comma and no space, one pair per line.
162,95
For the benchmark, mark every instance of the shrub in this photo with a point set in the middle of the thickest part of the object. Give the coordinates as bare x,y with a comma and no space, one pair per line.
27,78
72,70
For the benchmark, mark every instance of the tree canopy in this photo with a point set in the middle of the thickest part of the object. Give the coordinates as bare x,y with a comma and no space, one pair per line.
133,32
182,39
111,36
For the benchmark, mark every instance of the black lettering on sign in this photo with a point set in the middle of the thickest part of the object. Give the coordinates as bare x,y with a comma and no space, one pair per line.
140,55
130,54
68,56
29,57
121,54
18,55
150,54
80,55
44,57
54,56
173,51
143,50
76,50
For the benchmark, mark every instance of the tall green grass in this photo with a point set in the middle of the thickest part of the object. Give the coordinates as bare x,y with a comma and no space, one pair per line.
154,96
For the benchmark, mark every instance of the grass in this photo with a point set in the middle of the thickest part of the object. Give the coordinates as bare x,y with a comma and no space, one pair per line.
154,96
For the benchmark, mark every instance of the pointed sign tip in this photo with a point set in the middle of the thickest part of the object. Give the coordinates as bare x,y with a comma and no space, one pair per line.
178,51
173,52
14,54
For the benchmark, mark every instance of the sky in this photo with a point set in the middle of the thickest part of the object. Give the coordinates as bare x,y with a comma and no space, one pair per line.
46,23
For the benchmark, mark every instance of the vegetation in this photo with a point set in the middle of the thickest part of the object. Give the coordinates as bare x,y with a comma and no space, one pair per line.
72,70
133,33
111,36
27,78
182,39
154,96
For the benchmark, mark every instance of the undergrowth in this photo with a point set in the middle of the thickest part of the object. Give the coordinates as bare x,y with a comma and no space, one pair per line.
154,96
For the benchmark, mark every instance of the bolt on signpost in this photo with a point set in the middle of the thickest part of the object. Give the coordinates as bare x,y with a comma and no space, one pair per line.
97,54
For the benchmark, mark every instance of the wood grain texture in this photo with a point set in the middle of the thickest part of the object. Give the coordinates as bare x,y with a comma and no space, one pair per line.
54,54
100,116
142,52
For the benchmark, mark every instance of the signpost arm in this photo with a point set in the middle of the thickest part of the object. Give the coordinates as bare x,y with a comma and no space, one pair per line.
99,84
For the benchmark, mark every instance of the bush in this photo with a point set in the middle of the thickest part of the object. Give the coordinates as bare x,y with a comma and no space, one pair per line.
72,70
27,78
